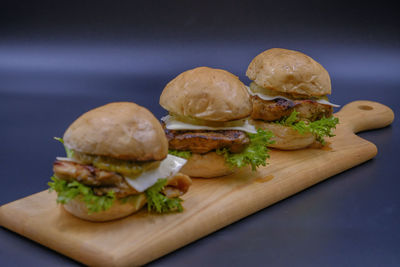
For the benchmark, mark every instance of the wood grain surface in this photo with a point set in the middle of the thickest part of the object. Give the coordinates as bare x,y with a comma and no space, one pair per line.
209,205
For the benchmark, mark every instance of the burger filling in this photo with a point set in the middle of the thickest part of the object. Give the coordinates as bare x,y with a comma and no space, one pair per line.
203,141
102,181
277,109
238,141
99,180
301,112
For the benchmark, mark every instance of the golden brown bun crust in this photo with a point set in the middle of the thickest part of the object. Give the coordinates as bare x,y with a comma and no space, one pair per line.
207,165
290,72
118,210
286,138
120,130
207,94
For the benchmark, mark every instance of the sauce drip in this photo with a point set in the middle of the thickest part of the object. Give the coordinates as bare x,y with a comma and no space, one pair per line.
264,179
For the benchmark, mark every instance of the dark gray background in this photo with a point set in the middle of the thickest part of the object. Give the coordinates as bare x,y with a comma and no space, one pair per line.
59,59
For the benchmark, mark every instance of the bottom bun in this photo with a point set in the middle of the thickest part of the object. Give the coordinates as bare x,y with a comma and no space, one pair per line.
207,165
118,210
286,138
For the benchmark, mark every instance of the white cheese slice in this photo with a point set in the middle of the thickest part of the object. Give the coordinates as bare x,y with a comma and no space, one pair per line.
67,159
173,124
167,168
325,102
269,97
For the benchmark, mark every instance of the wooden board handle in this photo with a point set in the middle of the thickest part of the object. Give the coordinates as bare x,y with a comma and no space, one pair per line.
365,115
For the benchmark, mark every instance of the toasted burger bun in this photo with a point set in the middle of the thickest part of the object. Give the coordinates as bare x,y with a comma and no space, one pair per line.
285,137
118,210
289,71
207,94
120,130
207,165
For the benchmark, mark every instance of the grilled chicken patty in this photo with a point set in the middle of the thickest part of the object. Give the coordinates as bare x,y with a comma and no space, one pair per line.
203,141
272,110
104,181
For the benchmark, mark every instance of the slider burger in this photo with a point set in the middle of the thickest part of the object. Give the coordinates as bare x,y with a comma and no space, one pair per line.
117,161
289,95
208,125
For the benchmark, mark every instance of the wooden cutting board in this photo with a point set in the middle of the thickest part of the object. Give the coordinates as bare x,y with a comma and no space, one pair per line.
209,205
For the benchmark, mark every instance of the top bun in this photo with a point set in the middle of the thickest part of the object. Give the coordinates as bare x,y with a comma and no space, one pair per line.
290,72
207,94
120,130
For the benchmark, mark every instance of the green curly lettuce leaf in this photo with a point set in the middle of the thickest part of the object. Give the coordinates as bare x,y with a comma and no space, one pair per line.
69,152
66,191
290,120
255,154
180,153
159,203
319,128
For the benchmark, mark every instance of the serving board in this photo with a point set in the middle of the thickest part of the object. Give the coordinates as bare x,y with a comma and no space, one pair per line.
209,205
